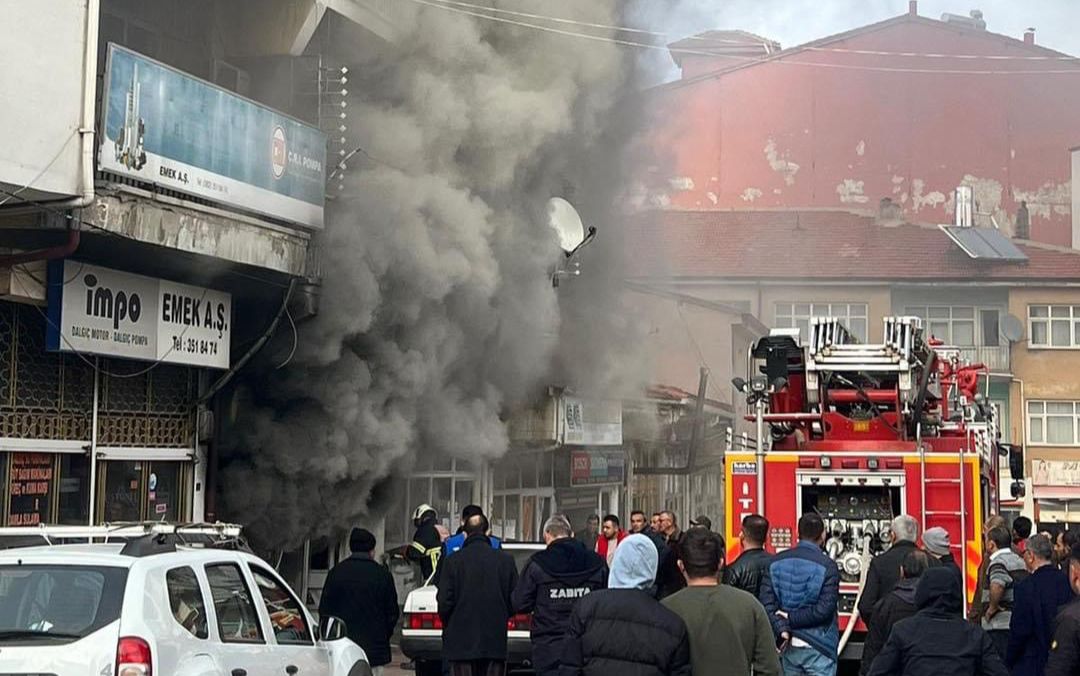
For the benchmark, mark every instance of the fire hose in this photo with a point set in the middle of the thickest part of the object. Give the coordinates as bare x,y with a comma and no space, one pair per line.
863,568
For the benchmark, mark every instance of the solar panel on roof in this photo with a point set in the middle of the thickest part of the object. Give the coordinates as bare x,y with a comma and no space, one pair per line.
986,244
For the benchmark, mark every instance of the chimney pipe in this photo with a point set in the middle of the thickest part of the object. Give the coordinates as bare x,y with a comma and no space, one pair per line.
1029,36
913,7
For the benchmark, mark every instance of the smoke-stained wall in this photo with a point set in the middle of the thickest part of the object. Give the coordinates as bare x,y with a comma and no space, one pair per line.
437,311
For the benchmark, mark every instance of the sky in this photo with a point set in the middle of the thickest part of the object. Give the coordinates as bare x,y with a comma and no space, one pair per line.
793,22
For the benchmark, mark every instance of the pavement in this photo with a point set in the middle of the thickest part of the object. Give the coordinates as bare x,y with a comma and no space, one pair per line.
394,668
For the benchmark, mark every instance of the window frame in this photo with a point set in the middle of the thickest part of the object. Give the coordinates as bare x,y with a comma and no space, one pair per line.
202,600
1037,414
975,320
256,571
247,588
790,319
1048,320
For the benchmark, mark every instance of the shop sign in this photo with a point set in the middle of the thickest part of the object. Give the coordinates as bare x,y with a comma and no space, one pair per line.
591,422
168,128
30,488
96,310
594,468
1056,473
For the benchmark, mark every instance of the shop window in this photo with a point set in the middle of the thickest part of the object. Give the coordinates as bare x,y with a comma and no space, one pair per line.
74,489
142,491
43,488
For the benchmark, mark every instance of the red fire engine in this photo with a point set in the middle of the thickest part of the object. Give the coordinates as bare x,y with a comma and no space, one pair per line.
860,434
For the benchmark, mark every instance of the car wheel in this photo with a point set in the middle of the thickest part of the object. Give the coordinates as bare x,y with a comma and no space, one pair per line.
428,668
360,669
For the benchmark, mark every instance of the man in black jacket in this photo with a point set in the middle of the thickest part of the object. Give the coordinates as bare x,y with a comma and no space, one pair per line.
936,640
747,571
623,630
884,570
361,592
1065,646
551,583
897,605
475,603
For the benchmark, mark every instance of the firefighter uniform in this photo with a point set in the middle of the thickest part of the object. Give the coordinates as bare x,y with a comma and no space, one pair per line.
426,544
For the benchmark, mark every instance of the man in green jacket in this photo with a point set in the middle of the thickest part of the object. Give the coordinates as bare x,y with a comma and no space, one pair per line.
729,631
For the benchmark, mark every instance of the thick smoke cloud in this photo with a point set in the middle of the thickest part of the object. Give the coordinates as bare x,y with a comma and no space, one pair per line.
437,313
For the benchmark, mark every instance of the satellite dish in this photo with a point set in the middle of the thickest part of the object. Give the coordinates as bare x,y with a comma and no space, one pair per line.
1012,328
564,219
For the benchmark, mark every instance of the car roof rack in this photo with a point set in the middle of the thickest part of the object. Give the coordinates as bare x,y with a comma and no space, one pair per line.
140,538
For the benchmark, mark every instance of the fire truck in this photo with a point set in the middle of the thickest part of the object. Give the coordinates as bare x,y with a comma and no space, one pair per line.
861,433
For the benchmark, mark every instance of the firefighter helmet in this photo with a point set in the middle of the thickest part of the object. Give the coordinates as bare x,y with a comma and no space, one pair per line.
421,511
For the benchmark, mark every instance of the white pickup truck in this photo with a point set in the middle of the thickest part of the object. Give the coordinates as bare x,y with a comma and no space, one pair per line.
421,630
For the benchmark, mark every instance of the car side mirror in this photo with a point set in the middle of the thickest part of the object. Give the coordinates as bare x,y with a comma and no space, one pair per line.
331,628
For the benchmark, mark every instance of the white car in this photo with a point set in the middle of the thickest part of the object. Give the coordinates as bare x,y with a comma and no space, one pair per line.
159,605
421,629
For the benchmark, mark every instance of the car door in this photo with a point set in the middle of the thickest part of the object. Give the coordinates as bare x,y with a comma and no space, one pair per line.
242,646
298,652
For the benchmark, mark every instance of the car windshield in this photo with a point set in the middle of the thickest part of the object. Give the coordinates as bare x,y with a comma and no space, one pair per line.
61,602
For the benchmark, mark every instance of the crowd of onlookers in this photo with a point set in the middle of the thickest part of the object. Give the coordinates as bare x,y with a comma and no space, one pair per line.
654,599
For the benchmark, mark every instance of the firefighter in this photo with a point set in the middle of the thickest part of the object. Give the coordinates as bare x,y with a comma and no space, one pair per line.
426,543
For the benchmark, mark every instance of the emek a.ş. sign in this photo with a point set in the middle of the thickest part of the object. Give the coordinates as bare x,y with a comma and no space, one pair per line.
166,127
96,310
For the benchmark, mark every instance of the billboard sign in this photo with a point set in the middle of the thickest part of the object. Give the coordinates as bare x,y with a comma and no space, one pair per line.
168,128
95,310
597,467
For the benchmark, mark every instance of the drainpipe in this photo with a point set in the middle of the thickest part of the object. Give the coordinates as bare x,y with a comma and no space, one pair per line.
86,141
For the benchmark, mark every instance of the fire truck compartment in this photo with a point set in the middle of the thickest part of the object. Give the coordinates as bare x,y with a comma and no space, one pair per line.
856,508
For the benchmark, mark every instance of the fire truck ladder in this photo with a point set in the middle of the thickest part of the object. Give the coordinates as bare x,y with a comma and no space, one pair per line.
833,349
960,512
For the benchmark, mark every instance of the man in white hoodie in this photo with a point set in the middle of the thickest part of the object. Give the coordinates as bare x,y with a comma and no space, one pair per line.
623,629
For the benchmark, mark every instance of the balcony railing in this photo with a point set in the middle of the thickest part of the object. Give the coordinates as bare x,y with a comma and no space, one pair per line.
996,358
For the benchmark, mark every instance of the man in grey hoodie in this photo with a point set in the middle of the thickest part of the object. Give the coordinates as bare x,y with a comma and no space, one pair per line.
623,629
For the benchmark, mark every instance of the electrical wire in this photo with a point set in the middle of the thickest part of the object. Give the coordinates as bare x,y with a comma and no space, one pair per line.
701,52
587,24
295,341
711,40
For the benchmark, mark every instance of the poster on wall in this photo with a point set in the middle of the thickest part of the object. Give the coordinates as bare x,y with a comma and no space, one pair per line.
96,310
165,127
30,488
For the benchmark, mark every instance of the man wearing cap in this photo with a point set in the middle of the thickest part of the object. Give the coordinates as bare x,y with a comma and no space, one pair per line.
361,592
936,542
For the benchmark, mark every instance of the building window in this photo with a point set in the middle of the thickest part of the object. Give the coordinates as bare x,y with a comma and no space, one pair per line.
797,315
1054,326
1053,423
951,325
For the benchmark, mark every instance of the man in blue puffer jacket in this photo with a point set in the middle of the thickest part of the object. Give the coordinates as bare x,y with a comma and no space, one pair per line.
800,594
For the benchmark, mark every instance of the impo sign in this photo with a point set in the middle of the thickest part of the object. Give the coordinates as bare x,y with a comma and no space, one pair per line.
96,310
